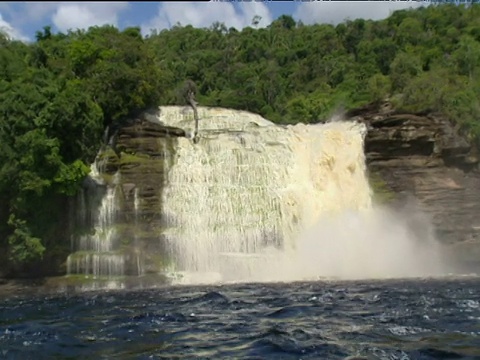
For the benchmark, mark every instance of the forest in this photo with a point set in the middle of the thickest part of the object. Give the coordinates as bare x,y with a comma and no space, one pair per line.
59,94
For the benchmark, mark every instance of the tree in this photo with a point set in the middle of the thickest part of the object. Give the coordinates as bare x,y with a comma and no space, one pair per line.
405,66
256,20
467,56
59,94
189,90
378,87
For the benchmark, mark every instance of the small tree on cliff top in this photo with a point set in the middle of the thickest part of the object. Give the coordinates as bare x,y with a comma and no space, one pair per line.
188,92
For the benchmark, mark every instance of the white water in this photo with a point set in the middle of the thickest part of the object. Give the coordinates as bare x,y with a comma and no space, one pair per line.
95,253
136,206
257,202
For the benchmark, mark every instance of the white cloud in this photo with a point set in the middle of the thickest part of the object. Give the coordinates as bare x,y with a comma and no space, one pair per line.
36,11
334,12
23,15
10,31
204,14
83,15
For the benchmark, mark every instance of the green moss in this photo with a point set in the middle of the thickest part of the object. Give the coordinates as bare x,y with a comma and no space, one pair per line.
126,241
84,280
81,254
381,191
160,262
128,228
77,279
108,178
143,160
107,154
127,158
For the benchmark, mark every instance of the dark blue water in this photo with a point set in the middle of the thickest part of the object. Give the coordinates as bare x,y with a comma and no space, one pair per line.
402,319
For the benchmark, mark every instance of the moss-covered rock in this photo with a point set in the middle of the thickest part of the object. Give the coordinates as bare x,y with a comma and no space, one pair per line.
136,167
382,194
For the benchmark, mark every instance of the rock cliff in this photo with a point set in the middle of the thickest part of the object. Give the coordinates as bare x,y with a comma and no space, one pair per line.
418,157
137,164
423,157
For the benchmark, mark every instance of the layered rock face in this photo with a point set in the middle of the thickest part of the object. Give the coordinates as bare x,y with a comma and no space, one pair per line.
423,158
416,157
136,165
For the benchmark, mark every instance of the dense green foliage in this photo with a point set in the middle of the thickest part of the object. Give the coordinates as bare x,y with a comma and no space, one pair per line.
57,96
423,59
59,93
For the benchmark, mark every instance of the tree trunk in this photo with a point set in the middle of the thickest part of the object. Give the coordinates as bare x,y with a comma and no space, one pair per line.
193,104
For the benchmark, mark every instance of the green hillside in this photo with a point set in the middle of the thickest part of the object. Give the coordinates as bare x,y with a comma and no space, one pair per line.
59,94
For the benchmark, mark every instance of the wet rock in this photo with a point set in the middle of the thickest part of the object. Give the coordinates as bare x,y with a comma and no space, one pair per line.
425,156
137,166
421,156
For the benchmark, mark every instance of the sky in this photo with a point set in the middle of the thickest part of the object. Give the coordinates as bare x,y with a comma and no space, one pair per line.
20,20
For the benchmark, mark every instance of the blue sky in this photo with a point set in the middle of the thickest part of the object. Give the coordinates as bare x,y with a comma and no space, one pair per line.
21,19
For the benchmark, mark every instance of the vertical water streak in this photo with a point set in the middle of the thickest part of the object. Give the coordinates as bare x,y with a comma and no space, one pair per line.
251,201
136,206
238,200
95,253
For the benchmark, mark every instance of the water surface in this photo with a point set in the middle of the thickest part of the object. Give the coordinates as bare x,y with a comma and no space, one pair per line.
395,319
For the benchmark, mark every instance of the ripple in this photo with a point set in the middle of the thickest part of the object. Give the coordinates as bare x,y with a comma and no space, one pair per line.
211,297
406,330
290,312
317,320
440,354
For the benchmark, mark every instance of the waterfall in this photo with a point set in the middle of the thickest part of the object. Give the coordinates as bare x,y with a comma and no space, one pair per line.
250,201
96,253
254,201
241,196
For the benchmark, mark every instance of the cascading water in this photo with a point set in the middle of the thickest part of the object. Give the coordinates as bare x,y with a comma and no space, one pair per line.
136,207
253,201
95,254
